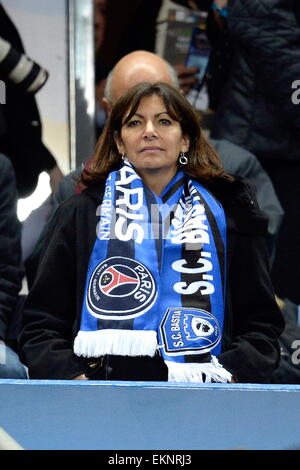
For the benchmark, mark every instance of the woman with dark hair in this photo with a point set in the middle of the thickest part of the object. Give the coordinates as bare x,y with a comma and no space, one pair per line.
158,269
203,162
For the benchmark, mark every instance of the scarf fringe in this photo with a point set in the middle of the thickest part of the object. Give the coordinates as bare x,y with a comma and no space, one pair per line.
116,342
198,372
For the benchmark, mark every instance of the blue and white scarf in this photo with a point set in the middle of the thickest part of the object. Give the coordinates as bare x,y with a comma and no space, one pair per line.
156,277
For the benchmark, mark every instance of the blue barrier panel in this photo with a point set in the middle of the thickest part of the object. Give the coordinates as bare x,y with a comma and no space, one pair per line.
50,414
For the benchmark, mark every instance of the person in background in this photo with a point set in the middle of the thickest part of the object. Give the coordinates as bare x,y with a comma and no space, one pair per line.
257,112
21,129
158,269
11,273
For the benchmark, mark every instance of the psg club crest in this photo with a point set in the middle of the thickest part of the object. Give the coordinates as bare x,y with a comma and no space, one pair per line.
189,331
120,288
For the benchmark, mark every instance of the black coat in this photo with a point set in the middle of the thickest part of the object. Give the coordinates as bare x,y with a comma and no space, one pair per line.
256,110
11,271
53,308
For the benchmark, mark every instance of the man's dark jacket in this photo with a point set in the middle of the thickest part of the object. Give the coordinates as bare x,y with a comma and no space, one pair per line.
257,110
53,307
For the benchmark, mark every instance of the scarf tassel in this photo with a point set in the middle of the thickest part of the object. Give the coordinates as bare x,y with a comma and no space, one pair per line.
206,372
115,342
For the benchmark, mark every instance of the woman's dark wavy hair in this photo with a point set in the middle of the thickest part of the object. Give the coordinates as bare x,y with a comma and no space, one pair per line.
203,161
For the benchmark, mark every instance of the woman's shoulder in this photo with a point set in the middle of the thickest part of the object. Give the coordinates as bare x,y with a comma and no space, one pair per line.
238,198
77,210
234,190
89,197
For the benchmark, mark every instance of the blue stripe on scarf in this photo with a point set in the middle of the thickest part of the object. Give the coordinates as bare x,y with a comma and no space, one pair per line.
106,210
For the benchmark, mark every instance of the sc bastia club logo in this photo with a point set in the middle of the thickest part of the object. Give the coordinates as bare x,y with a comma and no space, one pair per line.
120,288
189,330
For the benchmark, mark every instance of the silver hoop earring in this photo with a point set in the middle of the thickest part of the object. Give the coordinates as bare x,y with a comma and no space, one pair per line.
183,160
124,156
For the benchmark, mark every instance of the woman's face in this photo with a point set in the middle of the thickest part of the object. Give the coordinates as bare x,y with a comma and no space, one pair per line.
151,139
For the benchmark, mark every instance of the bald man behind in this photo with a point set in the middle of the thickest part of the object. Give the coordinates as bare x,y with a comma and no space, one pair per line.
144,66
134,68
